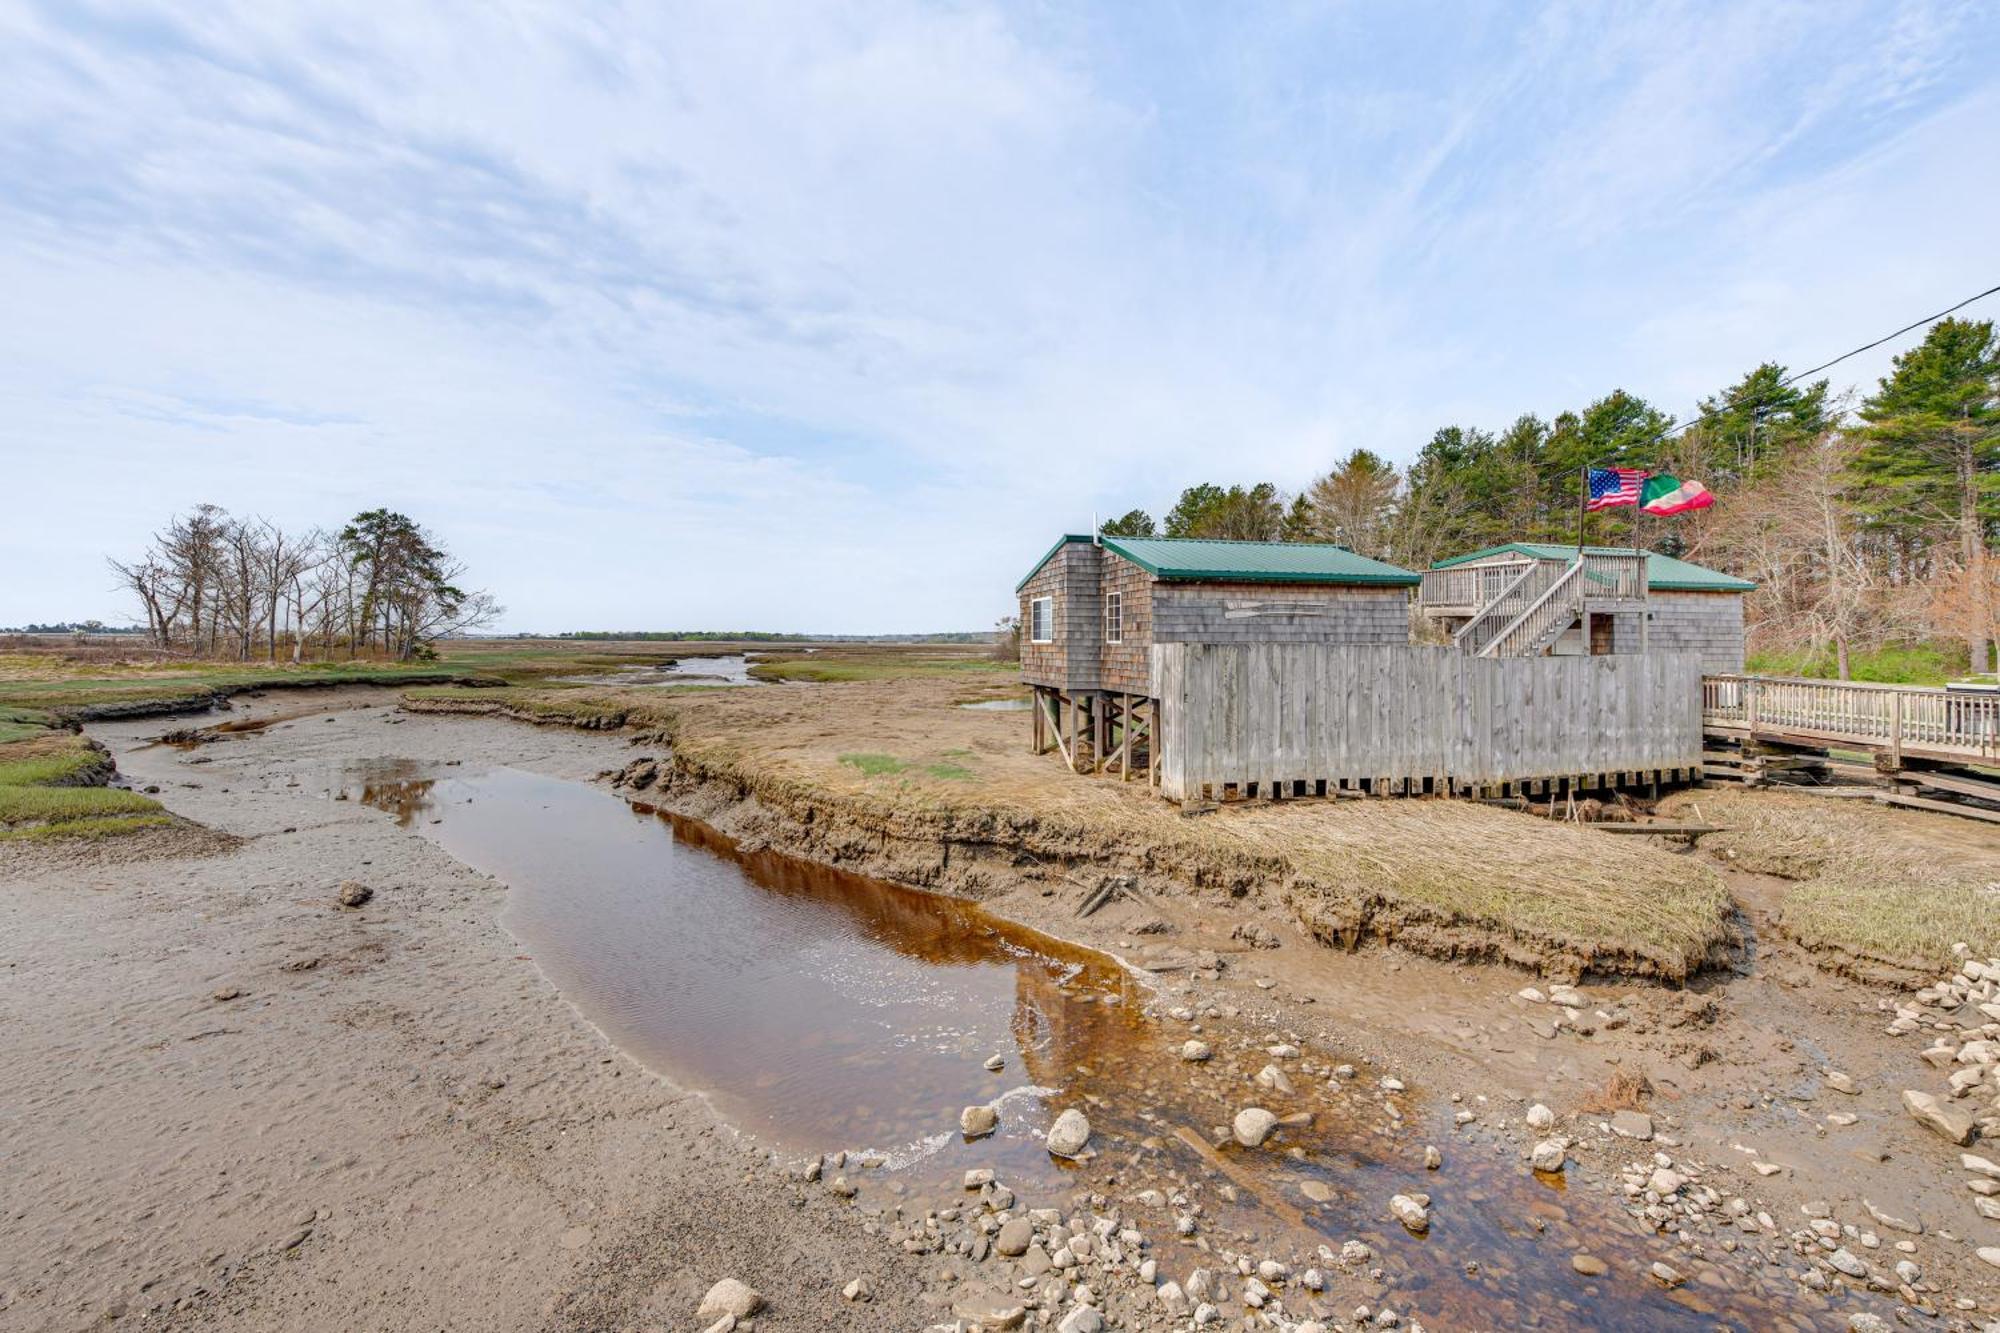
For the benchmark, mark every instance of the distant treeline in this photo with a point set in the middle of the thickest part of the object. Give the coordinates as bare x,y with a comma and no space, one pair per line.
763,636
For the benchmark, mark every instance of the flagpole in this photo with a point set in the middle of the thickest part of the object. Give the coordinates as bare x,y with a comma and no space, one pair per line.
1582,500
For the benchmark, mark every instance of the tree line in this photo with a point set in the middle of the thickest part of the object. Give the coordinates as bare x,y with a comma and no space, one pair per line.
212,584
1867,521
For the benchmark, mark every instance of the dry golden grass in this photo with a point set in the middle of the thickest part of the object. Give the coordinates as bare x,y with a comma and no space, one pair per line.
1873,885
1445,877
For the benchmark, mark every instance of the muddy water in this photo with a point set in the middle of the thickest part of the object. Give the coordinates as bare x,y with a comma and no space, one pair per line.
728,669
819,1010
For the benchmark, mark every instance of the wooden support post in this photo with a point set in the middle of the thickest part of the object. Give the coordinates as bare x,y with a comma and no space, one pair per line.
1896,728
1070,718
1125,740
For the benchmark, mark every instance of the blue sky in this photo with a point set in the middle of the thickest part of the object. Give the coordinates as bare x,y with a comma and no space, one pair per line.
831,317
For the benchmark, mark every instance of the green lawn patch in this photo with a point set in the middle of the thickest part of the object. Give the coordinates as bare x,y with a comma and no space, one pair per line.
950,772
874,765
53,805
86,828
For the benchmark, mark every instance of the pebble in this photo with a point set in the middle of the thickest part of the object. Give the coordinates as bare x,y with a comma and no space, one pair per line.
978,1121
858,1290
996,1063
1195,1051
1413,1213
1588,1264
1540,1117
1549,1155
353,893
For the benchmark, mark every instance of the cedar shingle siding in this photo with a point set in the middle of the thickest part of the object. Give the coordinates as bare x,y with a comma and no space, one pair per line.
1154,610
1708,624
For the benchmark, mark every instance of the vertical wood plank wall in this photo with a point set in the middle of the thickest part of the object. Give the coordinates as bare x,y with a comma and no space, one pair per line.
1347,713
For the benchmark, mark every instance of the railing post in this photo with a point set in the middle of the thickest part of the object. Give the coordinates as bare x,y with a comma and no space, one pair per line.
1750,708
1896,729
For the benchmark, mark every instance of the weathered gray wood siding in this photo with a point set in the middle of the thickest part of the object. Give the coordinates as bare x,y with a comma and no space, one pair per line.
1707,624
1071,661
1279,613
1128,664
1344,713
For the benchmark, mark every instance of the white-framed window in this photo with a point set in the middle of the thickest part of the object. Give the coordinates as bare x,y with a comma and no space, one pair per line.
1114,617
1042,620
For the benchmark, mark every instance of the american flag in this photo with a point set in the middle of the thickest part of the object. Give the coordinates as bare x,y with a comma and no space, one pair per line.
1614,486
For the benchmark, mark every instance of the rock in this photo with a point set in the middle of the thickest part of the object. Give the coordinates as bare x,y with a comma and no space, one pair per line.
227,993
1951,1123
996,1063
726,1324
1895,1216
1253,1124
1990,1253
1433,1159
1667,1275
1863,1322
1531,995
858,1290
1840,1082
1665,1181
1195,1051
1015,1236
1316,1190
730,1297
1549,1155
1588,1264
989,1309
1272,1078
1766,1168
843,1187
1540,1117
1083,1319
978,1121
1843,1261
1069,1133
353,893
978,1177
1979,1165
1632,1125
1415,1216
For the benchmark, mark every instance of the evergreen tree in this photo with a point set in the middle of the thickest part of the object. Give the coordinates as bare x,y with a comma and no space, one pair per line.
1133,523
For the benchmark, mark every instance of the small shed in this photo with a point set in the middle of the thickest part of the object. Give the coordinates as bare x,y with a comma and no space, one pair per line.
1526,599
1092,609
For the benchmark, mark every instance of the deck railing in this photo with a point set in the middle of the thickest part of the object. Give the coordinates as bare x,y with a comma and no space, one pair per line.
1524,586
1621,575
1896,719
1555,609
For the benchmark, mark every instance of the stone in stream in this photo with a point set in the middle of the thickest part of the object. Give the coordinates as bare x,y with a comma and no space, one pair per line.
1195,1051
1588,1264
730,1297
996,1063
1253,1124
978,1121
1549,1155
1413,1212
1069,1133
1667,1275
1316,1190
1951,1123
1273,1079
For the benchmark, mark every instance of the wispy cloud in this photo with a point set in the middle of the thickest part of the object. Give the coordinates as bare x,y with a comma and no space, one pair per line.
801,317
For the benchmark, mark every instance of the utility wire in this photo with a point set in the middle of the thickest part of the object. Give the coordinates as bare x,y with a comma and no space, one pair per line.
1790,380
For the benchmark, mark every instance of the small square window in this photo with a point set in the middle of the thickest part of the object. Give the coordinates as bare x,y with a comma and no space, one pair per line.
1042,620
1114,617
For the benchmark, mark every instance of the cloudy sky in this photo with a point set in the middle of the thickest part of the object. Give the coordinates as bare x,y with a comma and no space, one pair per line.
831,317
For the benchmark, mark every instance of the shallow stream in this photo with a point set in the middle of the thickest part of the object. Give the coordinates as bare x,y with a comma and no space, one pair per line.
819,1010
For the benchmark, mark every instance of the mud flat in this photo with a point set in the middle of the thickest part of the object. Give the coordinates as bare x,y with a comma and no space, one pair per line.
396,1121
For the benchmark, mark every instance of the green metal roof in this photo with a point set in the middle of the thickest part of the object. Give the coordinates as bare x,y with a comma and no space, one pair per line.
1256,562
1199,560
1663,572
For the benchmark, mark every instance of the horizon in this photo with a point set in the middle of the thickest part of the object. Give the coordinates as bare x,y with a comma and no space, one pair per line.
836,321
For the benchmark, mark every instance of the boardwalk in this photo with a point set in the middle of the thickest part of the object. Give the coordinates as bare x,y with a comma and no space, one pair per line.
1896,722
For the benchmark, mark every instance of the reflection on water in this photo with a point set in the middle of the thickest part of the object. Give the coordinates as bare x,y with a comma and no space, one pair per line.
402,787
820,1010
727,669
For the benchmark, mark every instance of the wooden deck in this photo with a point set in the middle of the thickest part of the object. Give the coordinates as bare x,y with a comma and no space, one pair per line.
1894,722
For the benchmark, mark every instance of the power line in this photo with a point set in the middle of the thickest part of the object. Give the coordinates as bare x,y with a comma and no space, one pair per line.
1790,380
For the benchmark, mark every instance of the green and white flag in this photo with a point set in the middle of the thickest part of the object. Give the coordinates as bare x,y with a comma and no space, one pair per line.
1663,494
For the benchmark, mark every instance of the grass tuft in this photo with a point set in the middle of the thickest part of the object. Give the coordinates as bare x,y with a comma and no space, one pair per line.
875,765
53,805
86,828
